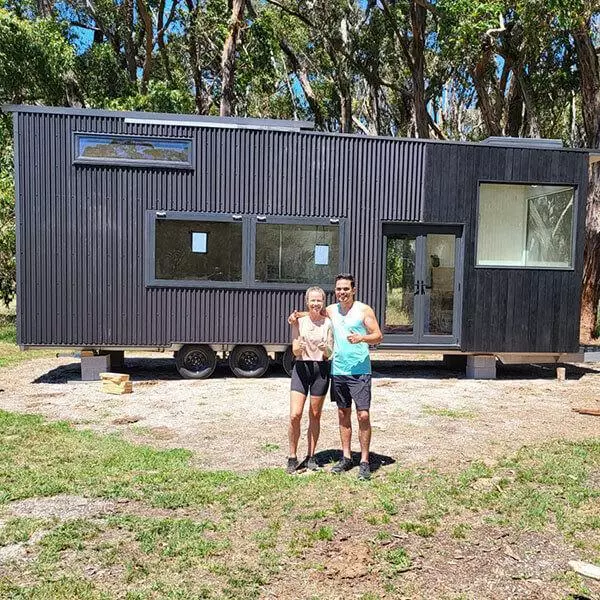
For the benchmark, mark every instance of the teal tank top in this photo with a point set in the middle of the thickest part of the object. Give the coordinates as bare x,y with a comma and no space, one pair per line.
349,359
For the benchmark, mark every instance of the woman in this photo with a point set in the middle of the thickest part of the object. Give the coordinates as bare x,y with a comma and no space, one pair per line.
312,346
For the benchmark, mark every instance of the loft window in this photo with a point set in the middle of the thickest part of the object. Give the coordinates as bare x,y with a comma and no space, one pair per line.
525,225
135,151
296,253
195,250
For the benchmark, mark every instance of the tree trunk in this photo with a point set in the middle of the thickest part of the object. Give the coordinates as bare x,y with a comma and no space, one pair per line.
228,57
146,19
304,80
418,16
589,72
486,105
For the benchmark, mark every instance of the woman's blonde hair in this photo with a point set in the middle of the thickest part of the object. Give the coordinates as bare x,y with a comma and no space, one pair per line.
314,288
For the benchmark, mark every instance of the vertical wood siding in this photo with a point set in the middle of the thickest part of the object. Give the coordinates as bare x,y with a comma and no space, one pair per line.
508,309
81,227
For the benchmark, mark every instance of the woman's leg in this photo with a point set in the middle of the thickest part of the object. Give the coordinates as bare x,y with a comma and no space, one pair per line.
297,400
314,422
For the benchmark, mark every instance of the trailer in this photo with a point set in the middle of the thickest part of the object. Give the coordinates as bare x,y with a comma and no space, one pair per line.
198,235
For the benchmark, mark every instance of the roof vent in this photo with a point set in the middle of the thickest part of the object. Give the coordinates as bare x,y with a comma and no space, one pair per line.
523,142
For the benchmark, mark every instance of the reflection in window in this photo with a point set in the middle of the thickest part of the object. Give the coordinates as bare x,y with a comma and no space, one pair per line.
198,250
525,225
288,253
124,149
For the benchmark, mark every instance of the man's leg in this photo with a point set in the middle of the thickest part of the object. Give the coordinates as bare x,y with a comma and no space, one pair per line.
345,422
364,434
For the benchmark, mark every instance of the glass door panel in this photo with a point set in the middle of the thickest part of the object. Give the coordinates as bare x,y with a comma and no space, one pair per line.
439,285
400,285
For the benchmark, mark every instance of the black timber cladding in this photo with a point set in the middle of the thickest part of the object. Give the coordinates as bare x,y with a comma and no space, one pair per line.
81,245
81,228
509,309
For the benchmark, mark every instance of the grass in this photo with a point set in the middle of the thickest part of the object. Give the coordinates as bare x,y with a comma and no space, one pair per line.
10,353
449,413
198,534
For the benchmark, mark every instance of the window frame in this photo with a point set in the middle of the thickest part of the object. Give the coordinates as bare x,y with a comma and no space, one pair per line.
572,185
142,163
249,225
277,220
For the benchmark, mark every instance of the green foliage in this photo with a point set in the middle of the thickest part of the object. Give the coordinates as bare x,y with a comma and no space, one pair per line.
8,263
36,60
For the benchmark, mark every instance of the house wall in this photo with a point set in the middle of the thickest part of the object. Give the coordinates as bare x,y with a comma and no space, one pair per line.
517,310
81,228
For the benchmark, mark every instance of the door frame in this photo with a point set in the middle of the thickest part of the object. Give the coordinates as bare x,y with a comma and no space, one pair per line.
420,231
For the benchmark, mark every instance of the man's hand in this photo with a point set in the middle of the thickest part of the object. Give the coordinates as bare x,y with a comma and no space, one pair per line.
355,338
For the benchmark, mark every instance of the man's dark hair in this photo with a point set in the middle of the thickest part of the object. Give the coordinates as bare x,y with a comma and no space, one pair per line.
347,276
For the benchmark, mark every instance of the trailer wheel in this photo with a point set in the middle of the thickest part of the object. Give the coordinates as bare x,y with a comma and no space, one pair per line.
248,361
196,362
287,360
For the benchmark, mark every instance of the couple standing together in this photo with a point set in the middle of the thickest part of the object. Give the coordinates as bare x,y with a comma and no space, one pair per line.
343,336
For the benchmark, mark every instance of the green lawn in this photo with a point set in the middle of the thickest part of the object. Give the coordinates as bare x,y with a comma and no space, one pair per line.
185,533
10,354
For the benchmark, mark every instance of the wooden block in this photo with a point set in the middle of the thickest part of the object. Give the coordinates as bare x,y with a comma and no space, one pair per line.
587,411
110,387
87,353
114,377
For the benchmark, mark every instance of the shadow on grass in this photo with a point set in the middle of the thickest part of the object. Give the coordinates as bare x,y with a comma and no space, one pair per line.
163,369
331,456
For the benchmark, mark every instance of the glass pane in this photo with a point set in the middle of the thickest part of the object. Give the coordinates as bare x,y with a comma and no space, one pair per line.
525,225
297,253
178,255
439,285
125,149
400,285
549,229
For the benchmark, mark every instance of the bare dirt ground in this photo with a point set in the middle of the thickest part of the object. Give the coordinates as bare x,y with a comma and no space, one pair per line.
422,414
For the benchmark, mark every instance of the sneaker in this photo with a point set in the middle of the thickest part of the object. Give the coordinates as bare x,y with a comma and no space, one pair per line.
292,465
311,463
364,471
344,464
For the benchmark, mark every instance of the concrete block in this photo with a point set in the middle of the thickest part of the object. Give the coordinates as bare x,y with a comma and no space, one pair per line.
92,366
481,366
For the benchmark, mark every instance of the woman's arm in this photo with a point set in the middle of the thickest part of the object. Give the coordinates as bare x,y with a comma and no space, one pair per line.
297,341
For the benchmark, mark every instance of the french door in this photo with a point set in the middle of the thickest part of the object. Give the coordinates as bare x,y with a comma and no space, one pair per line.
423,274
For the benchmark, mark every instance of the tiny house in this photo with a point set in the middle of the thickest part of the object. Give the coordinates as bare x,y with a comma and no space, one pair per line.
199,235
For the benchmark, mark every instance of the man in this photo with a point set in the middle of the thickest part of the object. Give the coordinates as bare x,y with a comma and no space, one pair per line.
355,327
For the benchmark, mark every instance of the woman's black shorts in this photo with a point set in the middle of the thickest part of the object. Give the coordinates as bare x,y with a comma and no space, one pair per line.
311,376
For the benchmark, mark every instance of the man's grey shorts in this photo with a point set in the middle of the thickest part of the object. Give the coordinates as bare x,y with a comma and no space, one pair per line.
345,388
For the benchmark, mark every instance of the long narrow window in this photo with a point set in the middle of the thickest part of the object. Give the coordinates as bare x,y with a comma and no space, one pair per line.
525,225
138,151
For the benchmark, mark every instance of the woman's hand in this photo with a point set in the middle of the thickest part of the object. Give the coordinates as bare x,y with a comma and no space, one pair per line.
293,318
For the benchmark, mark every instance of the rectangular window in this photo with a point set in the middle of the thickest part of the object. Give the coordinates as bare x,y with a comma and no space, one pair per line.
187,250
138,151
296,253
525,225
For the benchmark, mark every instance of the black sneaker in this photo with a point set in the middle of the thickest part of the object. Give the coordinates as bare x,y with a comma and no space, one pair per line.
364,471
344,464
311,463
292,466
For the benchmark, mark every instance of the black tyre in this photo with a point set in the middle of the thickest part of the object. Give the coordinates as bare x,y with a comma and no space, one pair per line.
196,362
287,361
248,361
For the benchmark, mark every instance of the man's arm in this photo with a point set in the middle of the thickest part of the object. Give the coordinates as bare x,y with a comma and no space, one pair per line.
373,335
